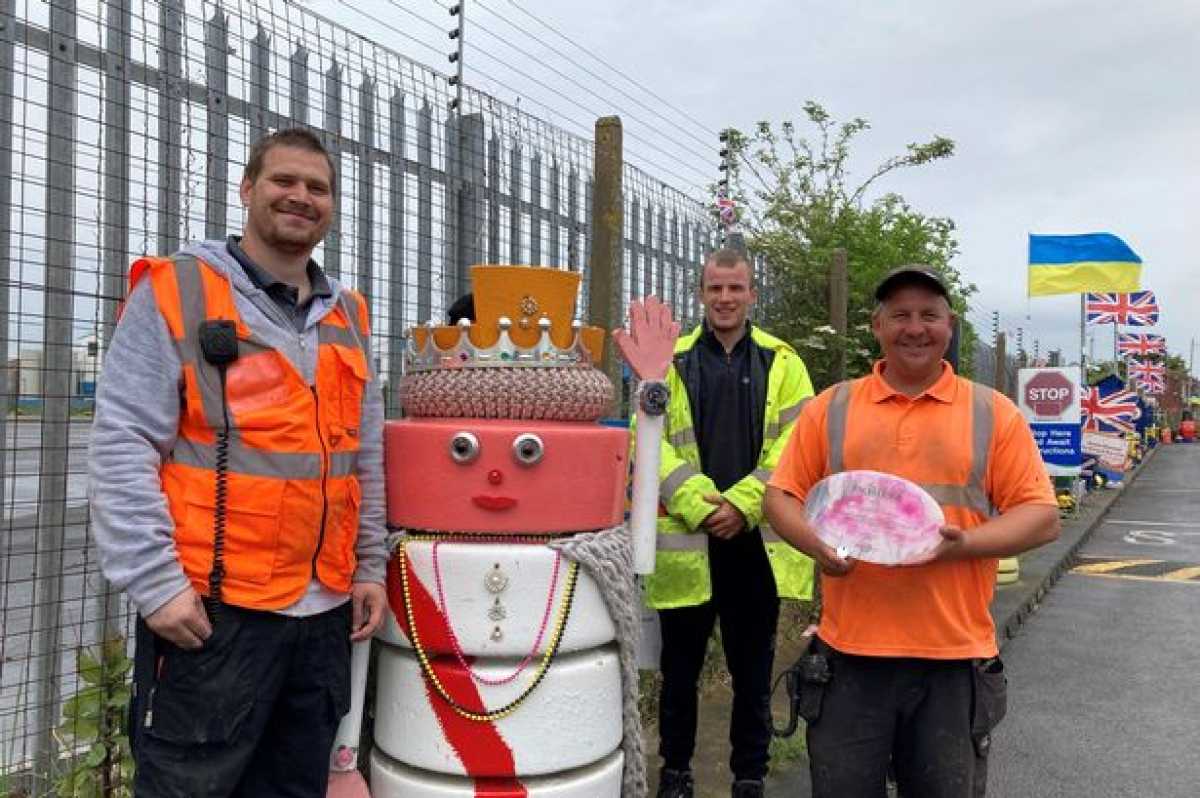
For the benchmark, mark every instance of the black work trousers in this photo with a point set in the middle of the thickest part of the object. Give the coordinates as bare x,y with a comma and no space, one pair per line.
253,712
745,601
930,719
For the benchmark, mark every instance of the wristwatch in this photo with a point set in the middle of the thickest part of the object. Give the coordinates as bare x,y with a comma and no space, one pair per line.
653,397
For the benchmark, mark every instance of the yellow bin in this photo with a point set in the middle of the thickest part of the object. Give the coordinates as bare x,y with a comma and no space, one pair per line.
1008,571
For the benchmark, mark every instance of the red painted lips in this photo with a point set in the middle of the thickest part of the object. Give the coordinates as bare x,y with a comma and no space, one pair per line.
494,502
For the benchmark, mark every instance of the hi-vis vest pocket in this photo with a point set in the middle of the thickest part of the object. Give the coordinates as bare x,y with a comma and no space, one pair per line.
353,376
341,533
252,522
259,382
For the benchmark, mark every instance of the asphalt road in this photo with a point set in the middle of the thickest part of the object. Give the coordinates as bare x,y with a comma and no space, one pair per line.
22,465
1104,690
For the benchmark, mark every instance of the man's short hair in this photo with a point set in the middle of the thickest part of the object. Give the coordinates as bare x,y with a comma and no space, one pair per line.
463,308
297,137
727,258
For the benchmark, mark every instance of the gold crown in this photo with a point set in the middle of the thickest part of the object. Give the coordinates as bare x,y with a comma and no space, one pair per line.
523,317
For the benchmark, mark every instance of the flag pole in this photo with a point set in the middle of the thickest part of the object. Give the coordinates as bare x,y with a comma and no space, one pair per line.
1116,350
1083,339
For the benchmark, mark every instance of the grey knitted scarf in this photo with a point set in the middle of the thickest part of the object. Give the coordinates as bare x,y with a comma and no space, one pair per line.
607,556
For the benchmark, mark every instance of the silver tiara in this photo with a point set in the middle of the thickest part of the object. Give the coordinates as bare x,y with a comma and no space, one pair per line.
503,354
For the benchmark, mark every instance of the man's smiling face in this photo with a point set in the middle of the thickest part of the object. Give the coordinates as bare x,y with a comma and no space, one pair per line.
913,327
290,204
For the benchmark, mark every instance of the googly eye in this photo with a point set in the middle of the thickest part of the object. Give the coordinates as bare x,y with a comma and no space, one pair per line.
464,447
528,449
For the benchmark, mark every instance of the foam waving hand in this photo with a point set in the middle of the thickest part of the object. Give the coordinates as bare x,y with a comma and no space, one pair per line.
649,344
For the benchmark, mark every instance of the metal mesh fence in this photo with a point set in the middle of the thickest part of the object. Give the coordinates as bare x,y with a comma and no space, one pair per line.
985,363
123,129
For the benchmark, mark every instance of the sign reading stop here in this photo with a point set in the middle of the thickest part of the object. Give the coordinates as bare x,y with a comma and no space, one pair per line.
1050,400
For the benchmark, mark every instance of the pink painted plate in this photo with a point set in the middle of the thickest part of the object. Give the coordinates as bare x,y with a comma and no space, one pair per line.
875,517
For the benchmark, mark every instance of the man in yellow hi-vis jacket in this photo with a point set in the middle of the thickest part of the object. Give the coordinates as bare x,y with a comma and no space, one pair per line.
735,393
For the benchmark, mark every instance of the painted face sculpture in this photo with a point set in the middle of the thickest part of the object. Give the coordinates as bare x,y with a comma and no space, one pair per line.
500,671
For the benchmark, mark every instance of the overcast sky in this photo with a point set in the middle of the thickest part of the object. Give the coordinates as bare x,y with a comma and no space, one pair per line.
1069,116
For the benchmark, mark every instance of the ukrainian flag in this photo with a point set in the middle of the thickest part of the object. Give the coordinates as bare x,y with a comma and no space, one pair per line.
1081,263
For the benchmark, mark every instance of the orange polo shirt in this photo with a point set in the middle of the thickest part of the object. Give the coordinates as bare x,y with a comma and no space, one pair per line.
937,610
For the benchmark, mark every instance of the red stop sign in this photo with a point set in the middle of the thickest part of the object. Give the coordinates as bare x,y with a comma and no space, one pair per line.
1049,393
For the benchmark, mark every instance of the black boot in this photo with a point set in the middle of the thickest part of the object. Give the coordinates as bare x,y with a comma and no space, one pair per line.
748,788
675,784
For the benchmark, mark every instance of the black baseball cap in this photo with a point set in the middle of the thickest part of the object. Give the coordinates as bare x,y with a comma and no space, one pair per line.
911,274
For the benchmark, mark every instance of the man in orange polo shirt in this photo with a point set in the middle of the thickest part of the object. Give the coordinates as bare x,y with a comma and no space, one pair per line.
905,668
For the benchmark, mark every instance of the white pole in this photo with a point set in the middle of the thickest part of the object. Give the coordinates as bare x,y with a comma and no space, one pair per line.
345,742
1083,339
643,516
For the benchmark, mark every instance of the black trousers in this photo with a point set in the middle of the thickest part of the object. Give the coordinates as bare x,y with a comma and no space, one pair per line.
745,601
930,719
251,713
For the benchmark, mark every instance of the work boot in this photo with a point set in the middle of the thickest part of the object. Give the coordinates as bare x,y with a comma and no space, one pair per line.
675,784
747,788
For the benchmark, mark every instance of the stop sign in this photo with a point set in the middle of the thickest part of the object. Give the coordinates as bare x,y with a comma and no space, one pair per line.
1049,393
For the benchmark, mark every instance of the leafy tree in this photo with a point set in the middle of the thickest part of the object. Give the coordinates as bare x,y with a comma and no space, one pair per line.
798,203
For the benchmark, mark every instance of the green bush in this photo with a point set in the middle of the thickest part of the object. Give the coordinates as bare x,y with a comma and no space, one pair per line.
95,723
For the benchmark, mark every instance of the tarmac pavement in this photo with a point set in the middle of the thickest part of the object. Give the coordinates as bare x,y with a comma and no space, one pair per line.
1103,680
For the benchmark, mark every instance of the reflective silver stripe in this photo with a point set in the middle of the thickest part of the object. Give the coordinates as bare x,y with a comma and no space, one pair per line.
770,433
191,296
971,497
982,421
763,475
247,460
350,304
194,312
690,541
835,426
789,414
684,437
675,480
332,334
343,464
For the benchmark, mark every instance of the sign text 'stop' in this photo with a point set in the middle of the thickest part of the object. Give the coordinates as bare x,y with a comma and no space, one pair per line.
1049,393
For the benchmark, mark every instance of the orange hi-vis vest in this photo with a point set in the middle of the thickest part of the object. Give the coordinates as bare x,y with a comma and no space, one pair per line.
292,491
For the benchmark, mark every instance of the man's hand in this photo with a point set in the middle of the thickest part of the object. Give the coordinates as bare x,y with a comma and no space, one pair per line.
829,561
182,620
369,599
724,522
952,546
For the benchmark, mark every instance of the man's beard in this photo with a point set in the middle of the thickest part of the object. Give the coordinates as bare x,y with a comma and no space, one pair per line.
278,236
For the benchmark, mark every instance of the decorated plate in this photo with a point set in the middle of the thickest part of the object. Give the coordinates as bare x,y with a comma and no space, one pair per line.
875,517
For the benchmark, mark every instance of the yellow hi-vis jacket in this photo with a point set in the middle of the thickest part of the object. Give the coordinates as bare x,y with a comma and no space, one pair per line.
681,576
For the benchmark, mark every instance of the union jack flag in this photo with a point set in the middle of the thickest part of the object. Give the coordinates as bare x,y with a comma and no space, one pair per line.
1141,369
1141,344
1152,384
1137,309
726,210
1116,411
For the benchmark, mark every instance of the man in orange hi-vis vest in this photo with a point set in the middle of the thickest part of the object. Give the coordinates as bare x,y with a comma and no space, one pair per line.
904,668
236,485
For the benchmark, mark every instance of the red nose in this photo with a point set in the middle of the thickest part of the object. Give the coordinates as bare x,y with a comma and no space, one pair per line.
495,477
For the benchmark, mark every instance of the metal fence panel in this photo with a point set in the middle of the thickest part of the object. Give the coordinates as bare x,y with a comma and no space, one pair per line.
124,126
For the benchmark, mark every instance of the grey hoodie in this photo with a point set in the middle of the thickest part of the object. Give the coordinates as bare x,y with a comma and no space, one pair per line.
138,403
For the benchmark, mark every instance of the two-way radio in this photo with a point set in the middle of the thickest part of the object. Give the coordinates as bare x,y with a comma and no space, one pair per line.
219,345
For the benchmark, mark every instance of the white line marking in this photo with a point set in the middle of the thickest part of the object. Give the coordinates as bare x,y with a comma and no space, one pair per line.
1150,523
